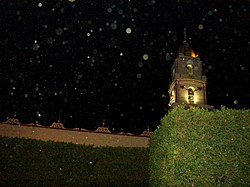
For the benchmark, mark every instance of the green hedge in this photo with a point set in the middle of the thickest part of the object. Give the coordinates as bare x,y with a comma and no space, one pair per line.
37,163
196,147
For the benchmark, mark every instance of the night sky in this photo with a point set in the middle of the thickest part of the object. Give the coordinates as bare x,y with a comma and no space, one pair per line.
86,61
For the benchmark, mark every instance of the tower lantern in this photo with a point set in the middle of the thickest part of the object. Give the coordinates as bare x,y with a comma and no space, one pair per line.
188,83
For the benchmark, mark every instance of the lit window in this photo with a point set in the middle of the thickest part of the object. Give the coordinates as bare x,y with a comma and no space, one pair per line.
191,95
190,65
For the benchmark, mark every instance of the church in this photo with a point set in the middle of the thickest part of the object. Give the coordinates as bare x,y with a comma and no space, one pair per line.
188,83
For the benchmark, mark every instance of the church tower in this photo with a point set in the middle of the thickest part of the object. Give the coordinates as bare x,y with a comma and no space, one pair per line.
188,84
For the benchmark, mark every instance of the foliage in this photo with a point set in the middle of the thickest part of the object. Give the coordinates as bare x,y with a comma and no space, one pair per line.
37,163
196,147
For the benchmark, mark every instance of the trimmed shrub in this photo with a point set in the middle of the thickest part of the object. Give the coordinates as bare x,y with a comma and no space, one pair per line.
37,163
196,147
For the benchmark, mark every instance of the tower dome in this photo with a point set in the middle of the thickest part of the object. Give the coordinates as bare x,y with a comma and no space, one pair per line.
185,49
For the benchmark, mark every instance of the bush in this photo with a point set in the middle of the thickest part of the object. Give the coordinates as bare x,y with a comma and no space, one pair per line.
37,163
196,147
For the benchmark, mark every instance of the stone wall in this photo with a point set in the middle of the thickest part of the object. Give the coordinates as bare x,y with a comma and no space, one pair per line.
76,136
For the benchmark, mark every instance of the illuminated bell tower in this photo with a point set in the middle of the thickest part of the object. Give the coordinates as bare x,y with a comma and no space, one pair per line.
188,84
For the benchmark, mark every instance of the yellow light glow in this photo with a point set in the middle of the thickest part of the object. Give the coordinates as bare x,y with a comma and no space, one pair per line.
189,66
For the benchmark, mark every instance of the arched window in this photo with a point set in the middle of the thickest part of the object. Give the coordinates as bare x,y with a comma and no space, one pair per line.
190,67
191,95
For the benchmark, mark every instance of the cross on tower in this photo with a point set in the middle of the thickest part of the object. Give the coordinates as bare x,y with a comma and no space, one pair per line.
185,34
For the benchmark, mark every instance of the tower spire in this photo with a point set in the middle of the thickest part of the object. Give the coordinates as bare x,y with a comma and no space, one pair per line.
185,34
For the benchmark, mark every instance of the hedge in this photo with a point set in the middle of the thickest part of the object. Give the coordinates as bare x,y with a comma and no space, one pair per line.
37,163
195,147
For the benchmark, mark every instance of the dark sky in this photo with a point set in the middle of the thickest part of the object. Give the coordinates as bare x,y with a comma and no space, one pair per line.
91,60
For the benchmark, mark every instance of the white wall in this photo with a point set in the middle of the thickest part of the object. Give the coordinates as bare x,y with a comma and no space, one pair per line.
73,136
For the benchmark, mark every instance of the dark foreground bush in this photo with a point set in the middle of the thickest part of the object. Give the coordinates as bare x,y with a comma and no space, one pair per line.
37,163
196,147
